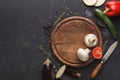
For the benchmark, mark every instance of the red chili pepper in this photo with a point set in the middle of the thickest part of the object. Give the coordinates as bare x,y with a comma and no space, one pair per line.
112,8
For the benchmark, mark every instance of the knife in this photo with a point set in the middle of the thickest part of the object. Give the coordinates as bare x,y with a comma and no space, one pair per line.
104,59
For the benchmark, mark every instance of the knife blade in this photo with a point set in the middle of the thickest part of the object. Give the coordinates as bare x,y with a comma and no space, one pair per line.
104,59
109,51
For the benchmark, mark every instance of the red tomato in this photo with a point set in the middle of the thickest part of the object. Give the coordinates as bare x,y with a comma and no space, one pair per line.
97,52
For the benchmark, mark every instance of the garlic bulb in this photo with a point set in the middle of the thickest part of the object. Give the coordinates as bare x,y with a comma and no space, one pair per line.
83,54
91,40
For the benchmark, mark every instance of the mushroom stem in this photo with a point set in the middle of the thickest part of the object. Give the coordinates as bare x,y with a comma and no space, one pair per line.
87,50
91,40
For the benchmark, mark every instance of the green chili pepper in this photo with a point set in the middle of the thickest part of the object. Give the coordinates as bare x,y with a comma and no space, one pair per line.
108,22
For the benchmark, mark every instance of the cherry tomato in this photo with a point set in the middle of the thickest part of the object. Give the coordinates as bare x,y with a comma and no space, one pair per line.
97,53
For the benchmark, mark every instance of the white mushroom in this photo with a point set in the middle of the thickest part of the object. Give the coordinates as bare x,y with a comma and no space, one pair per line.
91,40
83,54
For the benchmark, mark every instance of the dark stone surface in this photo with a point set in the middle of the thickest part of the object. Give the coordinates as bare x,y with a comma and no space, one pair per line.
24,38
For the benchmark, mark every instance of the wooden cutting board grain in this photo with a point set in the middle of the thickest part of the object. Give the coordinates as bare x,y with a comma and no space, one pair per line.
68,36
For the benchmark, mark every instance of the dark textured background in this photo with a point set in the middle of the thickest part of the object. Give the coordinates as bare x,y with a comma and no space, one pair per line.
24,38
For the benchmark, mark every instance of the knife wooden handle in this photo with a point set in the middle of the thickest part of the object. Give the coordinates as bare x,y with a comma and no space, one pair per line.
96,70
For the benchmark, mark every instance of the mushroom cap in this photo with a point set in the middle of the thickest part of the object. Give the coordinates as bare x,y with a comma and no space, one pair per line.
82,55
91,40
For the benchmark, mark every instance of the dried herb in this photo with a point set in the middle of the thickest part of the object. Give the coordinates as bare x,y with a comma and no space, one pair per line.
47,27
44,51
59,18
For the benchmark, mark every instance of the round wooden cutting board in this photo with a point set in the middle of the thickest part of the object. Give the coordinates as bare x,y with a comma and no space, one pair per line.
68,36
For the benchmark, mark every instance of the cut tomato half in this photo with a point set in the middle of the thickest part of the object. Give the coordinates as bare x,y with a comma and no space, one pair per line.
97,53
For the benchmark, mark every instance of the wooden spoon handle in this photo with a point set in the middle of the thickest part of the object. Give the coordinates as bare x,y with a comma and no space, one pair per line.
96,70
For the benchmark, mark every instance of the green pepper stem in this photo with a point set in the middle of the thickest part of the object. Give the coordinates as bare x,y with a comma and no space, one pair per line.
106,10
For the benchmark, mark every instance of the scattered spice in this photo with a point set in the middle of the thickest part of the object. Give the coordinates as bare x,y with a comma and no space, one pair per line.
100,24
47,32
88,13
69,13
46,26
66,8
47,29
76,13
